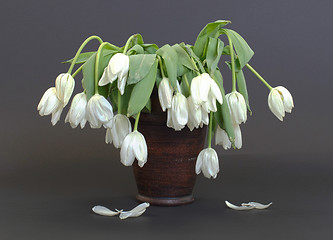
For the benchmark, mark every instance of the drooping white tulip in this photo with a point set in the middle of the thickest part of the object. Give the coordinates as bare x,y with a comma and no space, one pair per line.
165,93
50,104
205,91
222,138
121,127
237,106
117,68
179,111
64,87
208,163
280,101
134,146
77,112
194,114
99,112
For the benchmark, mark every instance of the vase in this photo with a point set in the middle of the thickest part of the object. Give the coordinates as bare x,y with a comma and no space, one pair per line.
168,177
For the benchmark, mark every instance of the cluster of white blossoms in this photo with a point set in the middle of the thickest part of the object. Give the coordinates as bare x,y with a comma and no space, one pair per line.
98,111
193,111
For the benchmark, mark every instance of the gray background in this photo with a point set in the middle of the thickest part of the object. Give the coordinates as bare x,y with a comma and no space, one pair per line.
50,177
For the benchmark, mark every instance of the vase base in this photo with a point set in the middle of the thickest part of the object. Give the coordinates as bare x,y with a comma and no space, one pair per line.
166,201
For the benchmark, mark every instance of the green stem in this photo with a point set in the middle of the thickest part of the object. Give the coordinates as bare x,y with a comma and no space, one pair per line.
81,48
119,103
232,56
186,82
260,77
136,121
209,139
77,71
161,66
98,56
128,43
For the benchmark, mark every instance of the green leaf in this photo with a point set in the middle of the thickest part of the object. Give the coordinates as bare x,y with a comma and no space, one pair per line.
183,57
222,115
88,71
139,66
170,59
214,52
243,50
136,49
147,108
142,91
241,83
150,48
237,65
210,30
82,58
226,50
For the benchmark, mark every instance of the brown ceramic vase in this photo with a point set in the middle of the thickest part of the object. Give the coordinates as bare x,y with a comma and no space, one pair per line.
168,177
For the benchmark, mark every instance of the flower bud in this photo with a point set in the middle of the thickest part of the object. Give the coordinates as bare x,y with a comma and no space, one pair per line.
165,93
280,101
208,163
179,111
134,146
99,112
64,87
237,106
121,127
77,112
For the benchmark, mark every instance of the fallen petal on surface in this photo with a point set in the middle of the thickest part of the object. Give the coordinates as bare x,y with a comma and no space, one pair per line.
135,212
257,205
100,210
243,207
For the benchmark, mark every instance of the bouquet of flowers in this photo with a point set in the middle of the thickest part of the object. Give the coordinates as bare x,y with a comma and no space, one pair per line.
190,88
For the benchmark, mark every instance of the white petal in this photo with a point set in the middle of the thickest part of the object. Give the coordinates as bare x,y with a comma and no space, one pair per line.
108,136
232,206
121,127
100,210
135,212
56,115
257,205
288,102
238,136
275,104
222,138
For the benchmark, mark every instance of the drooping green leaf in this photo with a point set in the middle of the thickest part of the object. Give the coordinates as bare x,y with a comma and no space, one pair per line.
88,71
241,83
214,52
222,115
226,50
150,48
82,58
170,60
139,66
243,50
142,91
237,65
147,108
136,49
184,58
210,30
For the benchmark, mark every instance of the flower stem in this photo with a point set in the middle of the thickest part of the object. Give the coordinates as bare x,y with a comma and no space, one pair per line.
209,139
129,42
77,71
187,84
80,49
136,121
232,56
98,56
119,102
260,77
161,66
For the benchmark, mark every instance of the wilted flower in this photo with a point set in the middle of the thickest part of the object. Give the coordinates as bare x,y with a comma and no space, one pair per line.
280,101
165,93
121,127
222,138
178,113
208,163
237,106
134,146
99,112
205,91
64,87
194,114
50,104
77,112
117,68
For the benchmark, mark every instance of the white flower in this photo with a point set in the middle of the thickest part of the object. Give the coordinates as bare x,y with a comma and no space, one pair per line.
121,127
134,146
108,136
99,112
50,104
77,112
165,93
117,68
194,114
64,87
205,91
237,106
178,113
208,163
280,101
222,138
